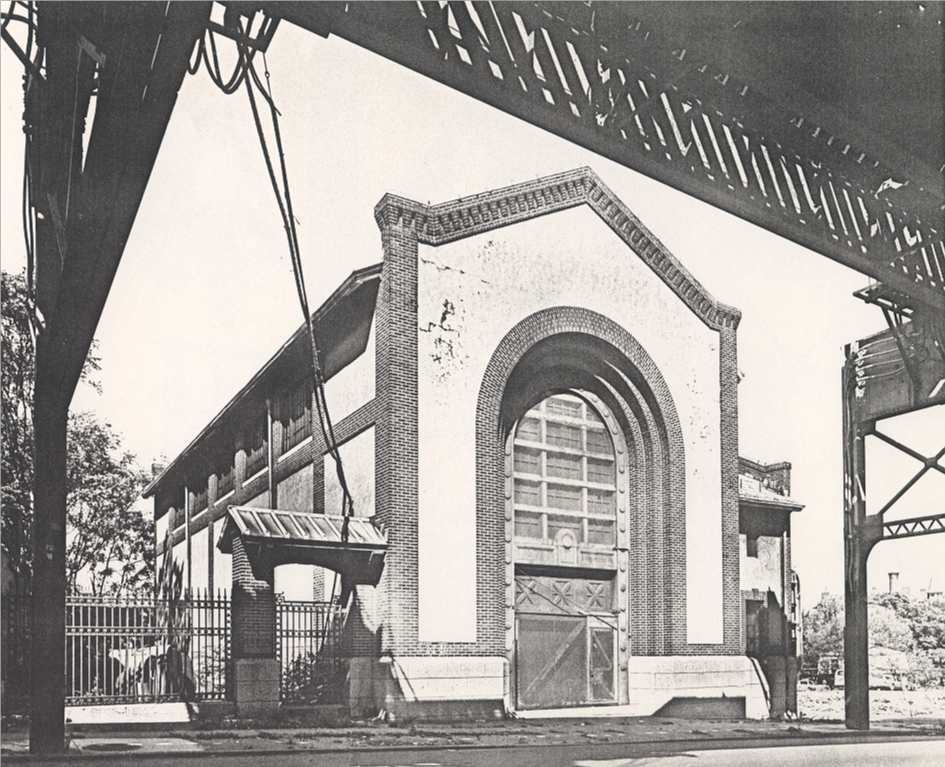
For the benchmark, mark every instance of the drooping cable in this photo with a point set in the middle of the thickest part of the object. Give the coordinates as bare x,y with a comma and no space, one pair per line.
318,388
245,74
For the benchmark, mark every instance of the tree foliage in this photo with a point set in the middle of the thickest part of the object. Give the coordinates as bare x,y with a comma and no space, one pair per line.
108,542
823,628
898,621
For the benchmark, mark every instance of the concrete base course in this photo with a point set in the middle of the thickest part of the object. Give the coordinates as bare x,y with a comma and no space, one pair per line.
256,686
430,688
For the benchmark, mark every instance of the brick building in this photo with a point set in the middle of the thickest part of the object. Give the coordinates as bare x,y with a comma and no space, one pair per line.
537,405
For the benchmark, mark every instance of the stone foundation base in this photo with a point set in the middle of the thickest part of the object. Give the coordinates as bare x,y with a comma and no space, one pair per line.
256,686
457,687
658,683
781,675
431,688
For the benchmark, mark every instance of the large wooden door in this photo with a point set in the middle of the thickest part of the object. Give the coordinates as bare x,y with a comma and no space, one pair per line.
563,660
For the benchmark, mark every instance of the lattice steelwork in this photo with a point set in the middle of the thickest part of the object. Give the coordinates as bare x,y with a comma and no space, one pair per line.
599,76
907,528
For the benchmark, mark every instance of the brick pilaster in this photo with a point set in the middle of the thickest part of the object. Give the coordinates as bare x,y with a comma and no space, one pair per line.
254,607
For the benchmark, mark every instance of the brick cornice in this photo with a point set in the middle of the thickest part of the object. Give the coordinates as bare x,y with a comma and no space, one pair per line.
449,221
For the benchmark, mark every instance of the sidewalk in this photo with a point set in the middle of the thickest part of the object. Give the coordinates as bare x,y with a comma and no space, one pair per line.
511,733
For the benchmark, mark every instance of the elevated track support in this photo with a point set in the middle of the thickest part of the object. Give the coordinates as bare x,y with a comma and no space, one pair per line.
892,373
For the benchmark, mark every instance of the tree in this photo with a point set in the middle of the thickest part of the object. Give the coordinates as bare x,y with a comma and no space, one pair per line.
928,627
889,628
108,543
823,628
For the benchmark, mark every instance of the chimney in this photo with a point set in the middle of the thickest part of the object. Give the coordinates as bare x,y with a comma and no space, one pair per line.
893,583
156,468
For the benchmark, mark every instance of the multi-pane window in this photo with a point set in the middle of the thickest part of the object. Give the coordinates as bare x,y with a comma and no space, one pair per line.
225,474
200,499
598,441
564,473
257,446
296,421
529,429
563,435
177,513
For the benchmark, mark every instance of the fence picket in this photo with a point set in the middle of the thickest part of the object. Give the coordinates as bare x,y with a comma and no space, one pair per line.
308,646
116,648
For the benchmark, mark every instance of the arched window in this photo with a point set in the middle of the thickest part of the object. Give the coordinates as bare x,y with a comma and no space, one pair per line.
564,476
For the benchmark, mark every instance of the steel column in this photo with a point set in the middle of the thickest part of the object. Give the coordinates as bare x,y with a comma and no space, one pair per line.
47,704
855,554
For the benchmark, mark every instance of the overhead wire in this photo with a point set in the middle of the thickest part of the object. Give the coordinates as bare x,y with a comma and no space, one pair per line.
245,74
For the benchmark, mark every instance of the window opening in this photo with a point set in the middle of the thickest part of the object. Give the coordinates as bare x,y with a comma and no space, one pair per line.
564,474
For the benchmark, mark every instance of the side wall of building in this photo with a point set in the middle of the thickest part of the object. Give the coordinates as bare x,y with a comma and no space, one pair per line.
299,483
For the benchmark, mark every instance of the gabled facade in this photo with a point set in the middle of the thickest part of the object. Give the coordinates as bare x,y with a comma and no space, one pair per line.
538,407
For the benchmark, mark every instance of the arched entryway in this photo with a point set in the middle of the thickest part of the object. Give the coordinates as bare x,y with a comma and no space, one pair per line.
569,465
581,459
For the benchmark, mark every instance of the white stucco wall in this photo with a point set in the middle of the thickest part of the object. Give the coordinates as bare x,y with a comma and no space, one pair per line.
200,560
357,456
222,566
160,528
470,294
762,572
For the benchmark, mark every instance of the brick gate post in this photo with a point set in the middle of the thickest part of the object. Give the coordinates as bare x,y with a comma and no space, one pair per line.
255,665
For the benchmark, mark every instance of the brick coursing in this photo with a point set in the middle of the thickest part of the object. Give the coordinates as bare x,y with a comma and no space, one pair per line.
387,617
658,543
253,605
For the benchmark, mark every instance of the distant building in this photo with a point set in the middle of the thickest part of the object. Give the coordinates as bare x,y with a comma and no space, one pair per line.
537,405
770,588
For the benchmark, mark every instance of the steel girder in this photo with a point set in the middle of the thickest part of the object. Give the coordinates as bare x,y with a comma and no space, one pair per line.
605,76
908,528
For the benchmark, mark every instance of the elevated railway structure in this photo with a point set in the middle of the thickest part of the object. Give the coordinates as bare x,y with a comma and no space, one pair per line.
820,122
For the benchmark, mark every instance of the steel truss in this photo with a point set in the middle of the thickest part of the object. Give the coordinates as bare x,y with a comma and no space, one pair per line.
907,528
610,77
606,76
893,373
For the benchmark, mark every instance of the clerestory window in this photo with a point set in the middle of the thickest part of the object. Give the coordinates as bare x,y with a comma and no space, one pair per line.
564,473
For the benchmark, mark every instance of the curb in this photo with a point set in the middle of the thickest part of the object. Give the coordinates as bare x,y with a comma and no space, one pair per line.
710,744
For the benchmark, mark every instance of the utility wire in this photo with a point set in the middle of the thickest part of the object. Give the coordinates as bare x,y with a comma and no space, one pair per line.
245,74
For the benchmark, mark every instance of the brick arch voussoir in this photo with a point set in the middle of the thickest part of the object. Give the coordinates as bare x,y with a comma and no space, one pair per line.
665,499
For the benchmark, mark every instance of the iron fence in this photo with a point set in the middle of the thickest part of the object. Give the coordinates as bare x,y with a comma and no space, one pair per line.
127,649
14,652
309,648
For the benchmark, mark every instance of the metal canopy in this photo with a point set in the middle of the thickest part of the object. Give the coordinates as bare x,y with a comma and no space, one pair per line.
822,122
352,546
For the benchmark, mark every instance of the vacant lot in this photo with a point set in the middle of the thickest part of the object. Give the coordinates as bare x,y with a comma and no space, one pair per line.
823,704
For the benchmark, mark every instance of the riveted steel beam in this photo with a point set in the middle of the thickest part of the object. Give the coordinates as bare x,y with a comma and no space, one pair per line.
602,76
908,528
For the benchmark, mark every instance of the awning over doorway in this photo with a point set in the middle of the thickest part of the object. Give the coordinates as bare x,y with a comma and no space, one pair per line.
351,546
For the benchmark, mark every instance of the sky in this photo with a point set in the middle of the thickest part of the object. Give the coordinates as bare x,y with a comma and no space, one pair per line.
204,294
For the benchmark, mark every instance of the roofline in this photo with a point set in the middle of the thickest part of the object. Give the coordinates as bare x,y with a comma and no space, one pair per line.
357,278
761,466
770,503
457,219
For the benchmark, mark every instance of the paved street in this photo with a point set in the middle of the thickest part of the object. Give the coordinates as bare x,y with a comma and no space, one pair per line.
787,753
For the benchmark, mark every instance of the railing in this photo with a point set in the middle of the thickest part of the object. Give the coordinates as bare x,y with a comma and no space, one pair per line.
308,644
127,649
14,652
